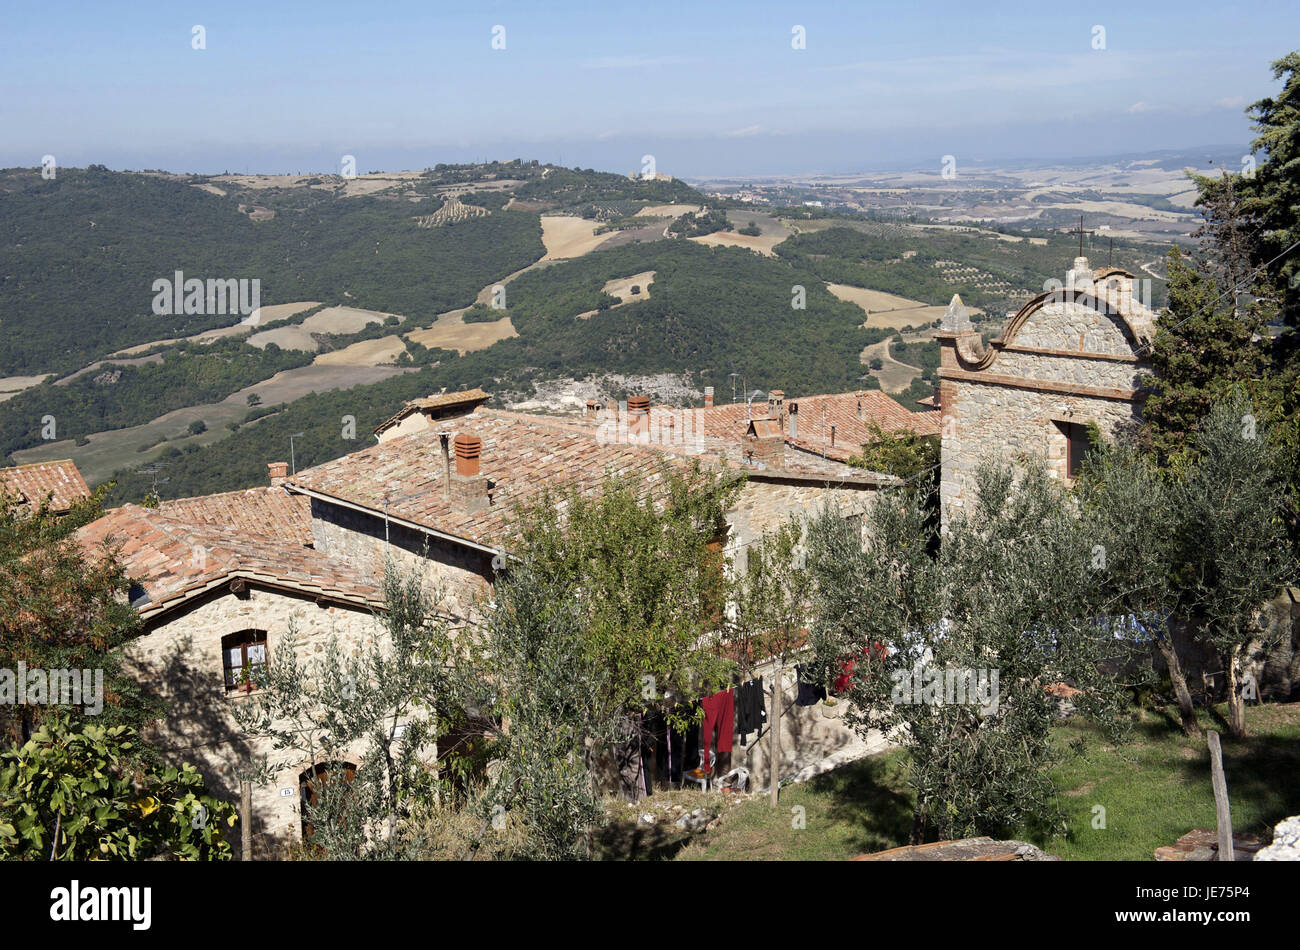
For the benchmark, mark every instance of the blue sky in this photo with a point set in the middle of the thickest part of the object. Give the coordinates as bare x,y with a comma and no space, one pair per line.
709,89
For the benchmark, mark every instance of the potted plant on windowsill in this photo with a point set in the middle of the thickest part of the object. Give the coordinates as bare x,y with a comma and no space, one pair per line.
831,708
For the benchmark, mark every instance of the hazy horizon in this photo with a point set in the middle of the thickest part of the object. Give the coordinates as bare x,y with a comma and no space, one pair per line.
710,93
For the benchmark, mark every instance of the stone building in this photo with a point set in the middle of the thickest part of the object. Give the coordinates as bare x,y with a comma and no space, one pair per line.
1069,357
222,579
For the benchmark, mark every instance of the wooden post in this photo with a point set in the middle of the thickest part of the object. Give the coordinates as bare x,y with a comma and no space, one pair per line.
774,743
1222,812
246,820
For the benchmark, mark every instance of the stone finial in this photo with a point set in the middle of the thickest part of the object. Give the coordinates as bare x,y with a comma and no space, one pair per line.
957,317
1080,275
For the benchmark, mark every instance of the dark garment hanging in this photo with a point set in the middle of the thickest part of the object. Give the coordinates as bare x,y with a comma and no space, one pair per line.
809,693
751,710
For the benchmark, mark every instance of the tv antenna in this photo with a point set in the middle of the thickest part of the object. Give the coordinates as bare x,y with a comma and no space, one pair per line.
293,464
156,480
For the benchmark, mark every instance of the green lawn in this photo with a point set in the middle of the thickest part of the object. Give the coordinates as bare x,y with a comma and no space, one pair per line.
1153,789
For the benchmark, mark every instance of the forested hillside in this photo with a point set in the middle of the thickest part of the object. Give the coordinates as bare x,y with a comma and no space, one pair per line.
81,254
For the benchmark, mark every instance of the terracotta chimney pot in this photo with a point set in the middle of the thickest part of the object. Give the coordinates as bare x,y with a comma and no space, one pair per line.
468,448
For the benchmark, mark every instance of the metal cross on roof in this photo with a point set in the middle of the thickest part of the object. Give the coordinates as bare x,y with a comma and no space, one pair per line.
1081,232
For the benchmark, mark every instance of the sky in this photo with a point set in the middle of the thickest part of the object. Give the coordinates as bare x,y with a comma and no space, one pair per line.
709,89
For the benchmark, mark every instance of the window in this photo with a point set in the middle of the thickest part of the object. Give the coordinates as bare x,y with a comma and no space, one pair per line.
243,655
1077,446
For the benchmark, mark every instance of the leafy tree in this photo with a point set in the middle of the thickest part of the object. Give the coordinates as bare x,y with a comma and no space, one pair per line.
530,670
1203,347
63,608
77,791
638,558
903,454
771,619
1270,196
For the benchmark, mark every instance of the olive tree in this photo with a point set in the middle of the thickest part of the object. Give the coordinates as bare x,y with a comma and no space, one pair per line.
977,640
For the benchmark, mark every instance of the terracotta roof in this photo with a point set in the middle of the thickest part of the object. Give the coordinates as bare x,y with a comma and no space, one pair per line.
185,547
521,456
33,483
719,431
467,398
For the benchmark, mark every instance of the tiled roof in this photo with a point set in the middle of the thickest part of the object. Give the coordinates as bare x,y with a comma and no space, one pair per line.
521,456
60,481
191,545
468,398
719,431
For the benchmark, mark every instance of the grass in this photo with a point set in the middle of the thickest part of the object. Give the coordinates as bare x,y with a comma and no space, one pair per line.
1154,789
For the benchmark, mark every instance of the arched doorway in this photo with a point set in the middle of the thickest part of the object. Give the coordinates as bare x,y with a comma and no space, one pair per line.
324,786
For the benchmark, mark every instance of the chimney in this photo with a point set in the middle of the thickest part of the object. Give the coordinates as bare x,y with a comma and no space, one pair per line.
590,408
638,418
708,397
468,449
776,406
794,420
469,489
279,471
764,442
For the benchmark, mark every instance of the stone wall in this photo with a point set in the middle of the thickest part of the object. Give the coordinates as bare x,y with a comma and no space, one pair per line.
460,574
990,422
765,505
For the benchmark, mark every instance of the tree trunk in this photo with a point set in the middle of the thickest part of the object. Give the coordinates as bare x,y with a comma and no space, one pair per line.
774,744
1236,704
1179,681
918,825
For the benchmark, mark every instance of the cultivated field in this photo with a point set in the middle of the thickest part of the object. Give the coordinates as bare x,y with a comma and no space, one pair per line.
894,376
661,211
109,451
329,320
888,310
366,353
259,317
11,386
566,236
873,301
451,332
621,287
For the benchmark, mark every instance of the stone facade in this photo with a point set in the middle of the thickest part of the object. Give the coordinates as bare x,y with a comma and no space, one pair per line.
767,502
1068,358
179,659
460,574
